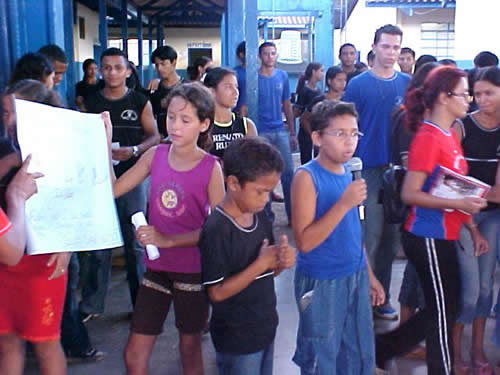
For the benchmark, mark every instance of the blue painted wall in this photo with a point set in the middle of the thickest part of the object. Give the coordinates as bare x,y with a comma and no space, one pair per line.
26,25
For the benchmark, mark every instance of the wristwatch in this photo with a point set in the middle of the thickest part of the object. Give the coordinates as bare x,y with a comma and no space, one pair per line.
135,151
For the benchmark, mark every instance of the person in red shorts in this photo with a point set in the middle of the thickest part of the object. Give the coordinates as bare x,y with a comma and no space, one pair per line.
32,287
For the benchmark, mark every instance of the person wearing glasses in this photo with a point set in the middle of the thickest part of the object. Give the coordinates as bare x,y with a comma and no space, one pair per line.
334,283
479,133
434,223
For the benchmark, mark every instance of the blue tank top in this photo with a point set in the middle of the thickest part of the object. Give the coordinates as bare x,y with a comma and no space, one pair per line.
341,254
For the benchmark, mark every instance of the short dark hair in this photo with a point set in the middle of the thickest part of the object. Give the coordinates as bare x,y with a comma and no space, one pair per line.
31,66
344,46
424,59
241,48
113,51
326,110
407,50
87,63
485,58
331,73
266,44
448,62
248,158
54,53
387,29
164,53
370,56
215,75
203,102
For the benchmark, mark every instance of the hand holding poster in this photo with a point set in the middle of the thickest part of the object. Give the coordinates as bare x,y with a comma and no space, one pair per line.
74,209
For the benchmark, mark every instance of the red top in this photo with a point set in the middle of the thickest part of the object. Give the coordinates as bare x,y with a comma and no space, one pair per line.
433,147
4,223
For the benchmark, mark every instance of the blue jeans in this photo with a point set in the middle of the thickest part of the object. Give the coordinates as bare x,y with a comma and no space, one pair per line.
260,363
411,293
98,263
281,140
94,280
335,334
74,335
381,239
476,273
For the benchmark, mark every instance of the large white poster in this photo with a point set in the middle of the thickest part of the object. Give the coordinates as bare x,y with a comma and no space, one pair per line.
74,209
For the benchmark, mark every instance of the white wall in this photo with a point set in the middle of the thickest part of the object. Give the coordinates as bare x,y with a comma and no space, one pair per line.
411,25
178,38
361,26
476,28
84,48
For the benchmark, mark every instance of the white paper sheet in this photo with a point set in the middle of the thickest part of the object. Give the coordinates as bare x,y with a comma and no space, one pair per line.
74,209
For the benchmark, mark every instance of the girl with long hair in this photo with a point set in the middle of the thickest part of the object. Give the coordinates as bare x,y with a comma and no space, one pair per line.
433,224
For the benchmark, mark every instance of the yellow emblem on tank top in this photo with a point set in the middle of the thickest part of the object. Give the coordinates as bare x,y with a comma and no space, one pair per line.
169,199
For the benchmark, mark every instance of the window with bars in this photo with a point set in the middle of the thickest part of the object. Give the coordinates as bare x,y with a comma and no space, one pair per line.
133,49
438,39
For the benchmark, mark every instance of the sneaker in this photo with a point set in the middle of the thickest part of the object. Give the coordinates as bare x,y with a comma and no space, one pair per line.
417,354
385,312
91,355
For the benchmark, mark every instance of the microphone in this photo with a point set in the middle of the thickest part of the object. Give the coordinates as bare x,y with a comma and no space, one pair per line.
356,166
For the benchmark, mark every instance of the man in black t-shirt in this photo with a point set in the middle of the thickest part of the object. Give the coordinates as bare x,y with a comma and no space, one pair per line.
134,132
348,56
165,60
240,260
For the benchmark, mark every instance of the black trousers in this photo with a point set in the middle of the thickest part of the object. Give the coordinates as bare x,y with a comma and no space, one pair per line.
437,267
306,146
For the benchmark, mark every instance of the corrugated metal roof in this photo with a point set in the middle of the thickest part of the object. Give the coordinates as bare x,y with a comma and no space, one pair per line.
411,3
287,21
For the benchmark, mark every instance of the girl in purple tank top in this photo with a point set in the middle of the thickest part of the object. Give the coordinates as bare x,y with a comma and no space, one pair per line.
186,182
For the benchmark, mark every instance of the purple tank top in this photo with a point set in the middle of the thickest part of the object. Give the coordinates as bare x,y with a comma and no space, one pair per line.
178,203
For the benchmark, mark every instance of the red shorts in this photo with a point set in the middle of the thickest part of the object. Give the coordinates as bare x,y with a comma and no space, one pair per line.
31,305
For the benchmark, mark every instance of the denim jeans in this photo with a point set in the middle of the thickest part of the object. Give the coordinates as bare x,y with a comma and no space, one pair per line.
476,273
411,293
98,263
281,140
260,363
335,334
94,280
74,335
381,239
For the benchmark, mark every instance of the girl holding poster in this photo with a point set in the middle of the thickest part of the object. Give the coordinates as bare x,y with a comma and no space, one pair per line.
32,287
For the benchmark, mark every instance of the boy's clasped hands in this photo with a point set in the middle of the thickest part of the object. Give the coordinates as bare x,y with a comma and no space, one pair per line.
277,257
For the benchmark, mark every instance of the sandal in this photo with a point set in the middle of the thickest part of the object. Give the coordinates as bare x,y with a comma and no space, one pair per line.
461,369
481,368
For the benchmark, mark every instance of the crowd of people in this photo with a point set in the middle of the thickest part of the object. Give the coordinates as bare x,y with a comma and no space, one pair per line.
185,152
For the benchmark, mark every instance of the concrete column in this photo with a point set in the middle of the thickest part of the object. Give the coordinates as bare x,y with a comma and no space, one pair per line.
139,44
103,25
124,25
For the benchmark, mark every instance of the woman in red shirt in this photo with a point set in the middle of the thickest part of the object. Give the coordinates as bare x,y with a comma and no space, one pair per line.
434,223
